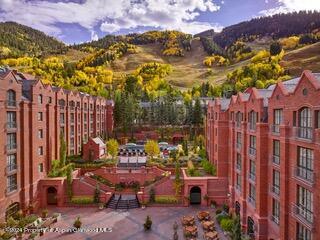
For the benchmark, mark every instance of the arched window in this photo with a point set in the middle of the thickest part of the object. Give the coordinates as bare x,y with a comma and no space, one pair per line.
250,229
305,123
11,98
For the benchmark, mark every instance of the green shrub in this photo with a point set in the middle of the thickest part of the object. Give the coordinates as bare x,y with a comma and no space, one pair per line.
166,199
102,180
82,200
208,167
152,195
221,216
218,211
227,224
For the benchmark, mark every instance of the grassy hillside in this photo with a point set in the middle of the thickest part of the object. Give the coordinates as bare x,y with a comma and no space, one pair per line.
298,60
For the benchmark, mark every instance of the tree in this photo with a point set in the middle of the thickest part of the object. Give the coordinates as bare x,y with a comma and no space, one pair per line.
275,48
152,148
177,180
112,147
185,147
236,229
97,194
197,113
63,151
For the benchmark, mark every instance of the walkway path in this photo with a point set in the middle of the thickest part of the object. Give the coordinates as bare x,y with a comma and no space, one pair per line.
126,225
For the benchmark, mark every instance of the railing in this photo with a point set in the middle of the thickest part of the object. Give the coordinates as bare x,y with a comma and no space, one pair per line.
238,145
275,219
275,128
11,103
252,201
11,188
276,159
304,132
303,214
252,126
275,189
11,125
11,167
304,174
238,166
11,146
252,151
252,176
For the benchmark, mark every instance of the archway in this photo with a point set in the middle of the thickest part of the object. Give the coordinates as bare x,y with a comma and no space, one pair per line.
251,226
195,195
237,208
12,209
52,196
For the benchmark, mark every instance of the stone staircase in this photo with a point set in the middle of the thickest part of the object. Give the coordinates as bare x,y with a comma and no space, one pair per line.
123,202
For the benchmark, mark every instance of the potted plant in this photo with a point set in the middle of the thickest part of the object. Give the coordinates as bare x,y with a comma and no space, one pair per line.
213,204
77,223
148,223
143,204
56,217
44,213
206,198
101,206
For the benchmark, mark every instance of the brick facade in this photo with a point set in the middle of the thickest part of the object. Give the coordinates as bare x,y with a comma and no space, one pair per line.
32,117
266,141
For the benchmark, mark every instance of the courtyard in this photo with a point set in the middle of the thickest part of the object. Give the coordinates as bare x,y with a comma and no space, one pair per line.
126,225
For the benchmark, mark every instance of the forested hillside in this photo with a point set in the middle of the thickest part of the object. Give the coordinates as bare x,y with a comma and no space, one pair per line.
19,40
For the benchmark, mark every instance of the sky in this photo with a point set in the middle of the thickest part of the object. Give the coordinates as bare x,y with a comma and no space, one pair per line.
76,21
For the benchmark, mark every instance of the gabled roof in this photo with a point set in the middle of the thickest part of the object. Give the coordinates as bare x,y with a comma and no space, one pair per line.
99,141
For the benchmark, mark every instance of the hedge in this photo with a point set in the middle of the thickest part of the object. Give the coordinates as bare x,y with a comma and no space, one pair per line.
166,200
82,200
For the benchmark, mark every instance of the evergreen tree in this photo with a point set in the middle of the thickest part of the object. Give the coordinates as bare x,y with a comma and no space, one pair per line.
63,150
275,48
236,229
197,118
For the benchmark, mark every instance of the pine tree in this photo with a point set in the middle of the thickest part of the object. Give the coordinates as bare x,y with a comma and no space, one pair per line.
63,151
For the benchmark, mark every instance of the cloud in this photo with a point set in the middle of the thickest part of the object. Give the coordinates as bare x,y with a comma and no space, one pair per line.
285,6
109,15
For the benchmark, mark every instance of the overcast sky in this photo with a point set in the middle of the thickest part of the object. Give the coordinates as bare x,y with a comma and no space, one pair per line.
74,21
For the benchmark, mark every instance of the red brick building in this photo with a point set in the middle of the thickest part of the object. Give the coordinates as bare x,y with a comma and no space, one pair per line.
32,117
267,143
94,149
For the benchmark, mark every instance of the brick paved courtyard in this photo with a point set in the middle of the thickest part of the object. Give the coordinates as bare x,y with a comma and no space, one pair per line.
126,225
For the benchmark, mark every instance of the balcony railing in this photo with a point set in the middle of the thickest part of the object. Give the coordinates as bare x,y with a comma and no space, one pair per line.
252,201
11,167
252,126
11,125
275,219
303,214
238,145
304,174
276,159
11,103
11,146
11,188
252,176
275,190
238,166
275,128
252,151
304,132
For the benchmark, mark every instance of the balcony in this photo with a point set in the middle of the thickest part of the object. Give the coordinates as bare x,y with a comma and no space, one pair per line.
11,167
304,133
238,166
11,103
276,159
11,146
252,127
11,188
275,219
303,214
238,145
252,151
304,174
11,125
275,190
275,129
252,176
252,201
